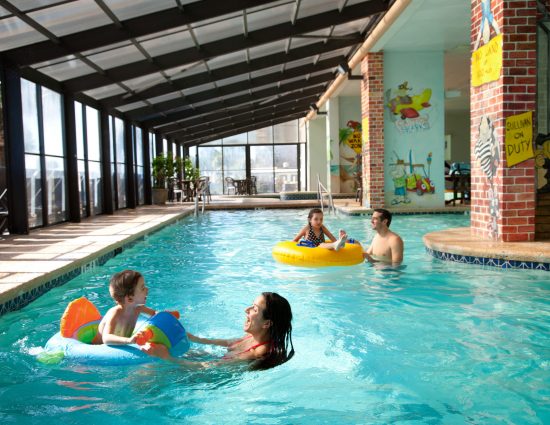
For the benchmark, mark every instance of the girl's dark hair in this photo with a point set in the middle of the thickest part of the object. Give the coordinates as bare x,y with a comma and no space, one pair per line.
314,211
277,309
124,283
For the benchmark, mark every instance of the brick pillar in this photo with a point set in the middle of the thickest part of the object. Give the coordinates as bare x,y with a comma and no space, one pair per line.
502,197
372,113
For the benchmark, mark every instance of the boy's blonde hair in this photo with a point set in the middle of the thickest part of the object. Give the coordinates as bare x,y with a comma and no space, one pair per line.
124,284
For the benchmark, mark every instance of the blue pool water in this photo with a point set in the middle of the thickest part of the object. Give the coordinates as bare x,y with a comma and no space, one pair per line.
432,343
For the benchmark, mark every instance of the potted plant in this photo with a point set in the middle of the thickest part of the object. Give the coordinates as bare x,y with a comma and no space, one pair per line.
191,173
163,169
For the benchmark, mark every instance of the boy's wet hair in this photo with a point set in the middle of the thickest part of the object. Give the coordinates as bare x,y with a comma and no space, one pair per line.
124,284
384,214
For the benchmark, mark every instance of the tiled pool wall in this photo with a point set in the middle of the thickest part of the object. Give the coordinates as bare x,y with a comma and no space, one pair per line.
493,262
27,297
23,299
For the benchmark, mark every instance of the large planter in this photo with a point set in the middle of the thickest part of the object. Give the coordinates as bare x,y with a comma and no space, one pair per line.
160,196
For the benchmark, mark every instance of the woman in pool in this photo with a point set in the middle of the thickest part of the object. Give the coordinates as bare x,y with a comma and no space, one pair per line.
314,232
268,342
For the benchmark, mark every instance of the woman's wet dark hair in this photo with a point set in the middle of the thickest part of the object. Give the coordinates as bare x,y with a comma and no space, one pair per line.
277,309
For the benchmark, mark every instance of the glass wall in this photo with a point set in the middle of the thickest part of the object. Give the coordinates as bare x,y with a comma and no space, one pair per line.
44,154
274,155
118,163
139,170
3,175
88,148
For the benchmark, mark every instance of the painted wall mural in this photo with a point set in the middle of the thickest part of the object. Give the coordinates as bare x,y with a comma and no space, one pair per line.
542,162
487,59
351,144
487,154
408,110
409,177
414,122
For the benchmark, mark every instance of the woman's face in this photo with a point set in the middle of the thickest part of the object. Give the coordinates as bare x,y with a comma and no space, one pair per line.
316,220
255,321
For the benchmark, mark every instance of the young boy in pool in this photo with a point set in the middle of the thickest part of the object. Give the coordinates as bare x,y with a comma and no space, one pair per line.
130,293
315,232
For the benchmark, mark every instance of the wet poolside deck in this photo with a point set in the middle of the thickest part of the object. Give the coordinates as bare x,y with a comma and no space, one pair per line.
52,255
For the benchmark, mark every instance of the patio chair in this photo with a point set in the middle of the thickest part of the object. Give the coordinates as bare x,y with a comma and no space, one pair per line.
253,188
230,184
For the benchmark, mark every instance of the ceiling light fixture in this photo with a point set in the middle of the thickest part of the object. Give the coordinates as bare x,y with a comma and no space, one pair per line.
343,68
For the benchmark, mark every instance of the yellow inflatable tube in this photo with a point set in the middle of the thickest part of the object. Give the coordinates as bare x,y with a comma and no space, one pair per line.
288,252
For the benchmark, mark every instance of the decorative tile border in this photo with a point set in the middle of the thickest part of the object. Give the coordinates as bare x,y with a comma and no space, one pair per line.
493,262
26,298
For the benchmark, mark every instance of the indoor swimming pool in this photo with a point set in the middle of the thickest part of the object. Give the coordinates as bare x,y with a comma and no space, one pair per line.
432,342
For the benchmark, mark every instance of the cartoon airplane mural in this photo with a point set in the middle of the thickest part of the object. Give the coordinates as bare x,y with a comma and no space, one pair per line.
408,106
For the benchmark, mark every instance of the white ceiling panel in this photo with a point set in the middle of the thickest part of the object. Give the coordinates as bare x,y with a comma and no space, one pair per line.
169,43
117,57
269,17
127,9
222,29
25,5
71,17
228,59
66,70
267,49
15,33
105,91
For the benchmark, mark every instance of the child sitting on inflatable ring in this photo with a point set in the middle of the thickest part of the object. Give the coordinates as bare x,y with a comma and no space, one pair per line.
266,345
315,232
128,290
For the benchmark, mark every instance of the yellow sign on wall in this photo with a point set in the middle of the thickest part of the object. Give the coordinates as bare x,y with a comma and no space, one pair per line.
519,138
355,141
487,62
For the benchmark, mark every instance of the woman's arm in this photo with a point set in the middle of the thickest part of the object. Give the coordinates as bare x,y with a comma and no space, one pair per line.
210,341
159,350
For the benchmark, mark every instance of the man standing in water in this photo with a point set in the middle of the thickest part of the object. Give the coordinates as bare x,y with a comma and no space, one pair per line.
386,245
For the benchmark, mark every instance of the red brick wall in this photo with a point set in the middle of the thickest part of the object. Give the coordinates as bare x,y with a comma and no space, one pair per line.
372,108
510,193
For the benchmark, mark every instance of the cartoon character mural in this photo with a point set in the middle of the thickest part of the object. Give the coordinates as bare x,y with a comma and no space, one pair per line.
542,162
351,145
411,181
487,153
405,108
487,22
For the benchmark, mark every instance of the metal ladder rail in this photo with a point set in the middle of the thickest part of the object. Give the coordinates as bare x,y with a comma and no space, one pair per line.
321,193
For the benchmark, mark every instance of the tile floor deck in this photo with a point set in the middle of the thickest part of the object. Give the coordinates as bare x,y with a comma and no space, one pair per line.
28,261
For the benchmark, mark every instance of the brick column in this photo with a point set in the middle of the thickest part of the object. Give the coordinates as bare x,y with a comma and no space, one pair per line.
502,197
372,113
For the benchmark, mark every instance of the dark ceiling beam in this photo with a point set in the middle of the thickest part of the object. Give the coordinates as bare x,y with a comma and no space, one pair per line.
250,127
131,28
232,70
232,120
247,84
246,98
216,108
215,117
241,123
226,45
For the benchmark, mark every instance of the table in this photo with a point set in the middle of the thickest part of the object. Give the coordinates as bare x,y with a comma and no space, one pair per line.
243,186
188,187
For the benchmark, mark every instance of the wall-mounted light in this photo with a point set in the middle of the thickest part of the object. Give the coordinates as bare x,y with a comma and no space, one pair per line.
315,108
343,69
